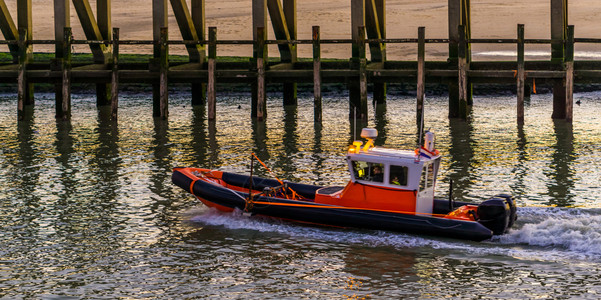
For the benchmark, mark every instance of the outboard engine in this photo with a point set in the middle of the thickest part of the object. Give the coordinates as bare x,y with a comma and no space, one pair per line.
513,217
495,214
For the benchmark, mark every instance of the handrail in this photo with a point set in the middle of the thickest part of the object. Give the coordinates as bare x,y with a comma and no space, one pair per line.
302,41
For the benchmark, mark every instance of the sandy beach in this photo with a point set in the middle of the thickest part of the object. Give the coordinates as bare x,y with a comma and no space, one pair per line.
490,19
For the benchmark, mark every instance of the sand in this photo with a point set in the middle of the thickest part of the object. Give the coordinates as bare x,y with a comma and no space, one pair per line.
490,19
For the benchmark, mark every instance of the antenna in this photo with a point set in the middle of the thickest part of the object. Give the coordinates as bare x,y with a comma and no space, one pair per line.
355,123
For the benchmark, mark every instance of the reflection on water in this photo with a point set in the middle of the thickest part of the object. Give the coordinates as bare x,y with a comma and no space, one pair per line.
561,177
461,152
88,210
381,123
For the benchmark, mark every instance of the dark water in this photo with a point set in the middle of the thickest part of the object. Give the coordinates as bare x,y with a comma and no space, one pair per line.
88,209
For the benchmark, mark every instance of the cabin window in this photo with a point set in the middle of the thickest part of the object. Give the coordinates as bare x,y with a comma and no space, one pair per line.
368,171
398,175
423,179
430,182
427,178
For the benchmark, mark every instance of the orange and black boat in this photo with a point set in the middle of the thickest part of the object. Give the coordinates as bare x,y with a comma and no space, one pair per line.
388,190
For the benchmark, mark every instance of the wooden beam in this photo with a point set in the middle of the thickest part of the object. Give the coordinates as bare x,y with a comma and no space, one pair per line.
25,25
115,76
104,18
186,27
559,23
289,7
462,66
199,91
62,19
63,104
283,19
159,20
357,20
358,84
569,80
280,28
198,19
421,73
259,20
163,106
372,28
317,115
375,25
24,17
21,78
211,92
259,23
521,75
261,108
9,30
454,19
91,30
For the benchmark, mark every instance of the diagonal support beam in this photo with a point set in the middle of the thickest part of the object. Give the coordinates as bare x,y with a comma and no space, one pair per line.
186,27
374,25
290,15
198,18
91,29
9,29
280,28
103,16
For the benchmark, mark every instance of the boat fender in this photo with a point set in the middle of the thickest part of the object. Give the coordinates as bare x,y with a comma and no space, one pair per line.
494,214
511,201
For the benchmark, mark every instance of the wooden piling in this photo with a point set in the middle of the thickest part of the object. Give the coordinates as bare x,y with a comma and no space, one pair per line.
559,21
421,73
199,90
261,88
459,15
317,111
289,25
357,21
259,20
462,67
63,104
103,21
24,21
163,80
291,89
62,19
521,75
211,96
187,28
21,79
115,76
358,87
569,67
375,27
159,20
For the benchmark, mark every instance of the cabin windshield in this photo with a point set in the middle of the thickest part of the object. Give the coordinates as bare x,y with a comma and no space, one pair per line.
380,172
368,171
428,175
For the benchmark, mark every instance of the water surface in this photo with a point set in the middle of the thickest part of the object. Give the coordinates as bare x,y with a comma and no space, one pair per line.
88,210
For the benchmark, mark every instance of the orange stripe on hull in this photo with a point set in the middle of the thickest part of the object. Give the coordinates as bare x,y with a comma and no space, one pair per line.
215,205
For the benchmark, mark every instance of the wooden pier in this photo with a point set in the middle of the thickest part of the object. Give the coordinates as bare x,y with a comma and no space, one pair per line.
203,71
